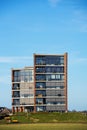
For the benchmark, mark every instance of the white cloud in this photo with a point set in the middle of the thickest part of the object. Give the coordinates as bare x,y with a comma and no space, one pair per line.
14,59
54,2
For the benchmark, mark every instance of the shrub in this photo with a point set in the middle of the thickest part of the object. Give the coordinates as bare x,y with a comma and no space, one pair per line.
7,118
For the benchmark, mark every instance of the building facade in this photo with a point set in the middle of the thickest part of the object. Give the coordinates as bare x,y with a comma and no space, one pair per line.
50,81
23,89
42,87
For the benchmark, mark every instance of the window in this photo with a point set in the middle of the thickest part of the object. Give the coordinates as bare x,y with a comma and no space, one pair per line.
48,77
40,108
16,86
16,102
52,76
30,72
62,76
40,85
40,70
39,101
16,94
26,75
16,73
30,78
16,76
40,60
40,77
48,69
58,76
62,60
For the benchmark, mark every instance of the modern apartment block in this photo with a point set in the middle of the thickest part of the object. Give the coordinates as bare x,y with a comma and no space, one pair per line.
23,89
50,81
42,87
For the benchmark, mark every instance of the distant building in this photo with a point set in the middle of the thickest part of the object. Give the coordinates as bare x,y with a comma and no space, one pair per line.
23,89
42,87
4,111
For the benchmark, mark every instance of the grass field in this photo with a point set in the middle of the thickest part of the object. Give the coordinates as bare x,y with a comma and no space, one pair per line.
45,126
23,118
51,118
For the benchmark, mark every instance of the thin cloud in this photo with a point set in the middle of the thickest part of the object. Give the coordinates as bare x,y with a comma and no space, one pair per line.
14,59
80,19
75,59
82,60
5,79
54,2
84,28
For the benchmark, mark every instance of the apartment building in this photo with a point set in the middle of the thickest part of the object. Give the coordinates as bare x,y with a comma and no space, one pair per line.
50,81
23,89
42,87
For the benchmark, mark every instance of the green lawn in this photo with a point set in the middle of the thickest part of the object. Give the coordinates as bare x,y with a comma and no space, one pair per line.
44,126
50,117
27,118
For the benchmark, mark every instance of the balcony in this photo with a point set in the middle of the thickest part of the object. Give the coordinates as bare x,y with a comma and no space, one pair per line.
15,96
15,103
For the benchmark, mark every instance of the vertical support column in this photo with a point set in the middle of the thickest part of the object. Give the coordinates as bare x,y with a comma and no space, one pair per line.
21,109
16,109
34,85
13,109
65,82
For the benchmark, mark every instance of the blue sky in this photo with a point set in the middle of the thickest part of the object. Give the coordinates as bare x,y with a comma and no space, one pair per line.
47,27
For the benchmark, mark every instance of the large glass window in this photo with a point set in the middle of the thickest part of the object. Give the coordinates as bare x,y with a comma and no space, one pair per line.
40,60
16,94
50,77
16,102
40,77
16,76
55,60
40,108
26,75
16,86
58,76
62,60
39,101
53,77
40,85
40,70
59,69
49,60
16,73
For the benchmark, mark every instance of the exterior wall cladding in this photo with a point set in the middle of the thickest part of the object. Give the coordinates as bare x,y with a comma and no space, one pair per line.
46,90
